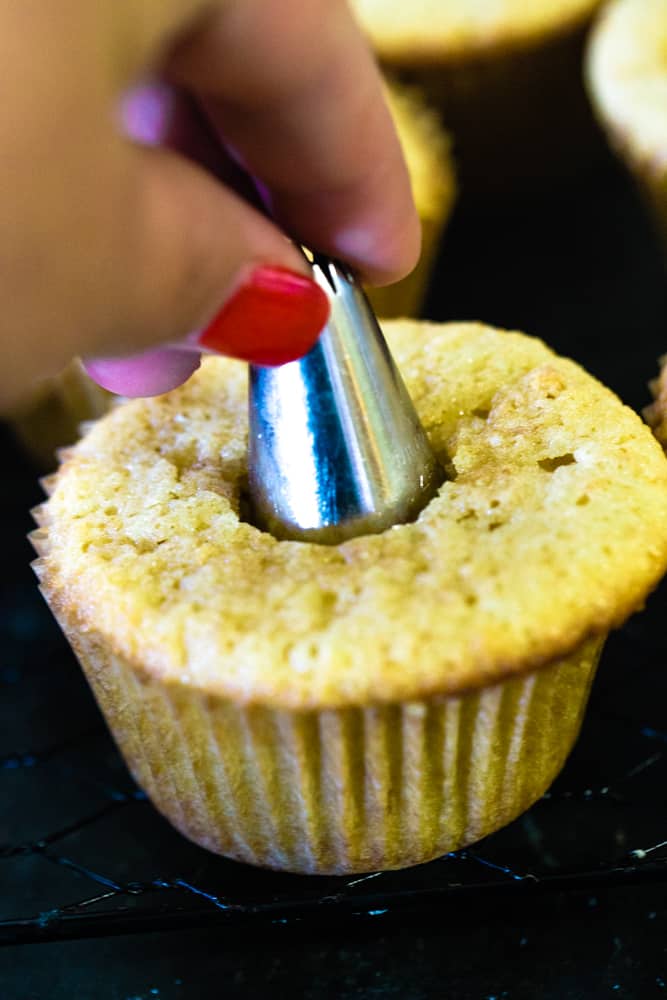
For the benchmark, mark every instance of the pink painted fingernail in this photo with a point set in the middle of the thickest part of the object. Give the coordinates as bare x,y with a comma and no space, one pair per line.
148,374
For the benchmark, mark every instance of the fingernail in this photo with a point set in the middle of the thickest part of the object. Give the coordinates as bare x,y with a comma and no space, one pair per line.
148,374
275,316
146,111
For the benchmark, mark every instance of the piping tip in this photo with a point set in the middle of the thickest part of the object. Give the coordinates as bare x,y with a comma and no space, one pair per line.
336,448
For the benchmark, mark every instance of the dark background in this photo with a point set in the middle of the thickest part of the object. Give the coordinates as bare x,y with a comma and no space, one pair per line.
100,899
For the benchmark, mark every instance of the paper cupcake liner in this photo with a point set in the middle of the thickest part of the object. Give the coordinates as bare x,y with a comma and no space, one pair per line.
340,790
51,417
518,114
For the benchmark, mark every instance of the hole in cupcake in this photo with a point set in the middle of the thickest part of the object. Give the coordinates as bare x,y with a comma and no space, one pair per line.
470,600
494,525
551,464
328,599
480,411
583,500
243,507
495,503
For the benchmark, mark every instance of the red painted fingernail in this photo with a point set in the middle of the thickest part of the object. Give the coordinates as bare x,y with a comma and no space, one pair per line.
275,316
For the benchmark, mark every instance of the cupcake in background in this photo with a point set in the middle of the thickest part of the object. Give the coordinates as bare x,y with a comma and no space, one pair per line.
51,415
627,80
427,151
380,702
506,77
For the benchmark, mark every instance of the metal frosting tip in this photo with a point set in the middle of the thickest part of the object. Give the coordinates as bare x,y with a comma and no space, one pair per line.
336,448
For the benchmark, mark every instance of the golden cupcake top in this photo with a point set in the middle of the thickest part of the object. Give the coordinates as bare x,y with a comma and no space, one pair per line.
550,529
627,76
427,29
427,151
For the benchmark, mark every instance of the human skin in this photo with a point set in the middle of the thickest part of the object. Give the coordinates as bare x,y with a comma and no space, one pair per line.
111,246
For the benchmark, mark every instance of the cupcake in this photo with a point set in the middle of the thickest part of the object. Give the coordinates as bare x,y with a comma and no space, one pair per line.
627,80
50,416
506,77
377,703
427,153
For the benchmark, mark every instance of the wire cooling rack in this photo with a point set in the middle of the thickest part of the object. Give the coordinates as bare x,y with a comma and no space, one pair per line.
82,852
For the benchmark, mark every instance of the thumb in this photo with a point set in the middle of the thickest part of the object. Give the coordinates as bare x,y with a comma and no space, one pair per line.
202,269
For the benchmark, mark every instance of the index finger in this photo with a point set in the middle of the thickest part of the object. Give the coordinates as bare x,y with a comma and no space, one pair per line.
293,89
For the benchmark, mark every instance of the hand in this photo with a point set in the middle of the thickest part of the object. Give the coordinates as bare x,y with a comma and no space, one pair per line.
111,246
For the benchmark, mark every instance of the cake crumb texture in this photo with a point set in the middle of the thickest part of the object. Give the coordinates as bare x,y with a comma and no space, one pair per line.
427,150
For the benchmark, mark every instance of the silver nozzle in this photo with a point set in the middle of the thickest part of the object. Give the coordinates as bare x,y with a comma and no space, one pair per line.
336,448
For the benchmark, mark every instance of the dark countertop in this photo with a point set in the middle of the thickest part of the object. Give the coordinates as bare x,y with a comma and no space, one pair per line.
568,902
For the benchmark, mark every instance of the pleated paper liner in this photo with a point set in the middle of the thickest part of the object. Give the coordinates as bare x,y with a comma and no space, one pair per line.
335,791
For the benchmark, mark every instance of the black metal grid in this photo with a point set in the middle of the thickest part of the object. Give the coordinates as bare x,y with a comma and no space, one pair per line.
81,850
